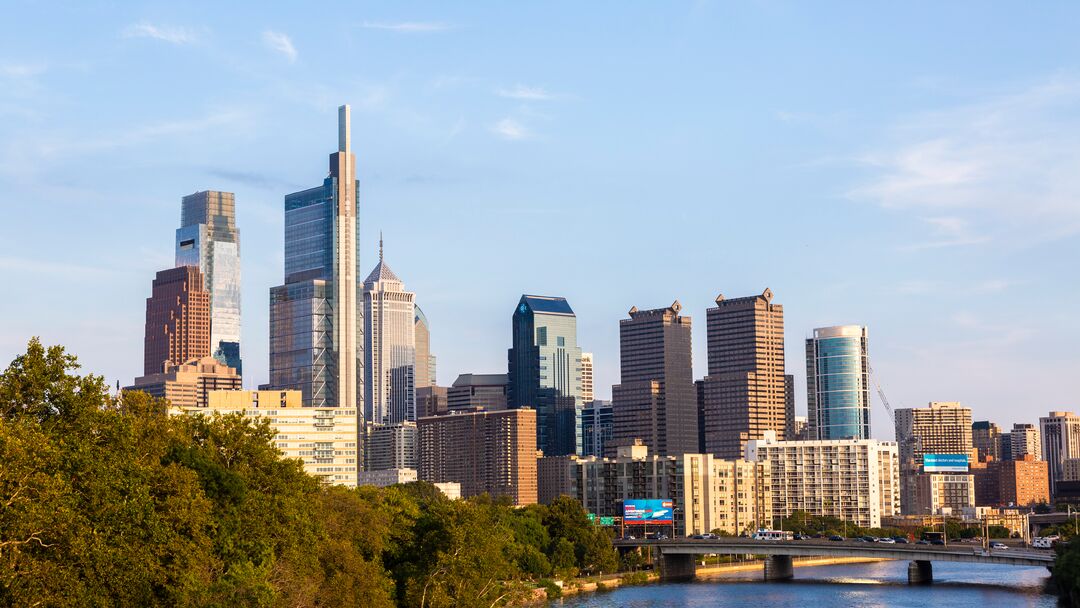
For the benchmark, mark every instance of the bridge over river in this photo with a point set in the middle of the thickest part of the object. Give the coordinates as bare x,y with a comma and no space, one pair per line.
677,555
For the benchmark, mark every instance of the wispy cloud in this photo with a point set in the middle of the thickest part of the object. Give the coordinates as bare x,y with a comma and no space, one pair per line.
21,70
407,27
974,172
24,159
510,129
527,93
281,43
919,287
170,34
947,232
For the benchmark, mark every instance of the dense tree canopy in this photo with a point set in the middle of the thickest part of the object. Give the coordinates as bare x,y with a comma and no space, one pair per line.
109,502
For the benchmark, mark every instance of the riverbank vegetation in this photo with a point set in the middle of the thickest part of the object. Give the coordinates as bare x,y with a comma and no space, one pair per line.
110,502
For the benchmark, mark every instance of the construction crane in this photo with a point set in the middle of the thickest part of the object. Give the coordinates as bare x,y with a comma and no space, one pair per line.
880,391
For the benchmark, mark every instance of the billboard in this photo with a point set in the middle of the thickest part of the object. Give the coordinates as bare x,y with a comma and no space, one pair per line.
945,463
649,511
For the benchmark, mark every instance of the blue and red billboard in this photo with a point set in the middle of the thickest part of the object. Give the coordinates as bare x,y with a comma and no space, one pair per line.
659,511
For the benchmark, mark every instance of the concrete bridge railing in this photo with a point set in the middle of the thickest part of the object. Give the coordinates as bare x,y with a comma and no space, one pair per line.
677,556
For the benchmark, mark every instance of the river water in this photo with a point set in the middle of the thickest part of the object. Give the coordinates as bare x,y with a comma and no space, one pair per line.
956,585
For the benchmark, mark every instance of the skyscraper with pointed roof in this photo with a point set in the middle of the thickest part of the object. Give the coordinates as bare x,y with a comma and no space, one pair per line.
389,347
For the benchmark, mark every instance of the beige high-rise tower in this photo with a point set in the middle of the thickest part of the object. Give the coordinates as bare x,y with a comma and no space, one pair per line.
346,288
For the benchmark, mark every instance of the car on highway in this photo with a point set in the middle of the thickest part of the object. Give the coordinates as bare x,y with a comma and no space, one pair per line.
937,541
900,540
887,541
868,539
998,546
836,537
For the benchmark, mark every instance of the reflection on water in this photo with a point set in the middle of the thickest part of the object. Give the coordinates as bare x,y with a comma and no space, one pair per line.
876,584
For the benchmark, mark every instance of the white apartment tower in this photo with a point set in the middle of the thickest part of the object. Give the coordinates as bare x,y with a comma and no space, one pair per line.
586,378
1060,433
856,480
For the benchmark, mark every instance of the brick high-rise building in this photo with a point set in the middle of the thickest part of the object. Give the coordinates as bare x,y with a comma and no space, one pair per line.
1022,482
177,319
486,452
655,401
746,392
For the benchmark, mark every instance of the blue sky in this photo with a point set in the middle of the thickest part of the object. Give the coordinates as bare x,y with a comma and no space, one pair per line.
909,167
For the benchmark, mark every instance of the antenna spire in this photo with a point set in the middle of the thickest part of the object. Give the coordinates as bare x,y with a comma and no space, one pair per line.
380,245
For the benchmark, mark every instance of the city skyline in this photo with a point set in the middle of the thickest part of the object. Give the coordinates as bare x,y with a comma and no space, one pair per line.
472,153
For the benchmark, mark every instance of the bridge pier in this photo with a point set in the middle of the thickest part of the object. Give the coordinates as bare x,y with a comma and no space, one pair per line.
675,567
778,568
920,572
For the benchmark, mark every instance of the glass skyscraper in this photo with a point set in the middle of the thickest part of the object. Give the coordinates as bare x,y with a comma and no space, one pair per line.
316,319
544,372
837,383
208,239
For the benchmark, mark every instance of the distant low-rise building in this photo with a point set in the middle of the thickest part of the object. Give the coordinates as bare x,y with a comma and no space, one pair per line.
189,384
596,427
450,489
944,493
707,493
472,391
387,477
431,401
856,480
390,446
324,439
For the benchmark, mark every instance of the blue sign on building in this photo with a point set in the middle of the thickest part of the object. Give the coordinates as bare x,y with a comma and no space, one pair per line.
945,463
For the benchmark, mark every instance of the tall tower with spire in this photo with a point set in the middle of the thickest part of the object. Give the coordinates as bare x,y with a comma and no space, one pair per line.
389,347
316,323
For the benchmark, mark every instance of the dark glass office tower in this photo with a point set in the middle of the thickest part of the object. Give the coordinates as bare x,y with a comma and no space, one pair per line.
544,372
316,320
656,400
208,239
